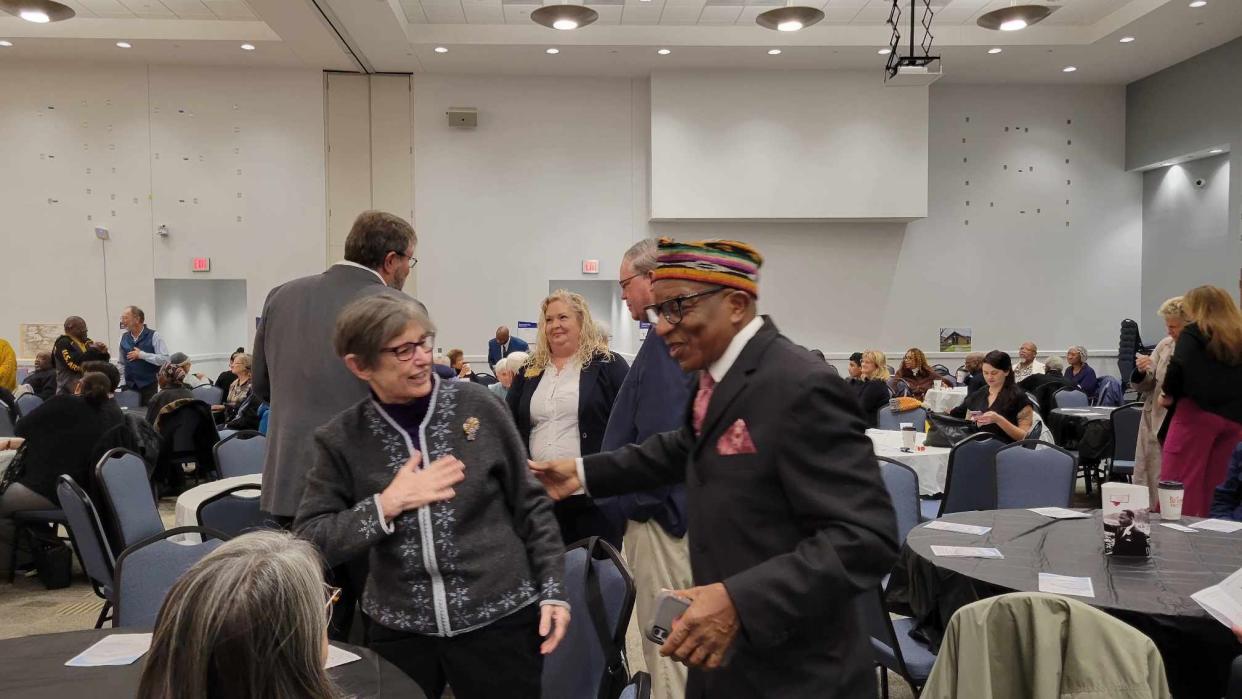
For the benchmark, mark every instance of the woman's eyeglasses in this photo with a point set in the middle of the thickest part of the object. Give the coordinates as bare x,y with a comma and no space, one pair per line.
405,352
674,310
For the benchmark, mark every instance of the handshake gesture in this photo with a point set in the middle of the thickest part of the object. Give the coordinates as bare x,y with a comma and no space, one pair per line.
559,477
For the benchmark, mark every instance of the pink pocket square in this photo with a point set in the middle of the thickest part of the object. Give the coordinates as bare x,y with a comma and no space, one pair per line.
736,440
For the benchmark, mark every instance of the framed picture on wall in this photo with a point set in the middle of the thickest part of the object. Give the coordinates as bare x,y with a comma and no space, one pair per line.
955,339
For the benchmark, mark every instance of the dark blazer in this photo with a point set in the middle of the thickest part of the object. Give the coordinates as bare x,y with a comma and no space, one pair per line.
796,531
516,344
598,385
1195,374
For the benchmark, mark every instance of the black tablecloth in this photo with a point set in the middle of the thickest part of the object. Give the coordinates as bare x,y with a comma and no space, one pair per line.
33,667
1151,594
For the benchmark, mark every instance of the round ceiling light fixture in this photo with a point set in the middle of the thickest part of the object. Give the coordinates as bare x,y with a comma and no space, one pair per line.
440,49
5,43
1069,69
124,45
995,50
1198,3
884,52
564,17
774,52
552,52
247,47
789,19
664,52
37,11
1015,17
1126,39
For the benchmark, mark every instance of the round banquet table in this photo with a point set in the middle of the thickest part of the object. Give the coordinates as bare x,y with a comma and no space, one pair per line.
1151,594
33,667
188,502
931,464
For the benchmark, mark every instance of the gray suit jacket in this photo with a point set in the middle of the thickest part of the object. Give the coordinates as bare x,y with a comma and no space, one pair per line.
297,372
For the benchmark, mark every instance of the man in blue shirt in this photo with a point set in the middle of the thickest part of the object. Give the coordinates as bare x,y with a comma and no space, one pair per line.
652,399
143,352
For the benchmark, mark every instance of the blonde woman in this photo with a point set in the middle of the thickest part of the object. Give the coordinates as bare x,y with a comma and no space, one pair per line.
248,621
873,391
561,401
1202,383
1148,379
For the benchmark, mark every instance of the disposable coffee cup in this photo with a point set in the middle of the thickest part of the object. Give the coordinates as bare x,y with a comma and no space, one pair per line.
1171,493
907,435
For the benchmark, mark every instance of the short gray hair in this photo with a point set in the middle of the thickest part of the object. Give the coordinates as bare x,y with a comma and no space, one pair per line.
246,620
374,235
246,360
643,255
1054,362
366,325
1082,351
134,310
513,362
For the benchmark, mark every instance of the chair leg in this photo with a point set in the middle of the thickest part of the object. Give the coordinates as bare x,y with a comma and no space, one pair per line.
883,681
103,614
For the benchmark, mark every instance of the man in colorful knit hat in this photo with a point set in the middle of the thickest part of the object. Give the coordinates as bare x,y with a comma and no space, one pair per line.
789,521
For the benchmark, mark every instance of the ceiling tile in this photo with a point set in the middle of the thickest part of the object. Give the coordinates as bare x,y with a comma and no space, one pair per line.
872,15
749,14
641,15
189,9
153,9
844,4
518,14
230,9
413,11
713,14
484,13
106,7
608,14
79,8
841,15
444,14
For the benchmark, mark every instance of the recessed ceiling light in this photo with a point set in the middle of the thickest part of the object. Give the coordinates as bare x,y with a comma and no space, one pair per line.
1198,3
5,42
664,52
441,49
1126,39
995,50
1216,151
884,52
564,17
774,52
1069,69
789,19
247,47
123,45
553,51
36,16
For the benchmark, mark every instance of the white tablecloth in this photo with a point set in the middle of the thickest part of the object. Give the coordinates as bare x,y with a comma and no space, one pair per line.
931,465
6,457
942,400
188,502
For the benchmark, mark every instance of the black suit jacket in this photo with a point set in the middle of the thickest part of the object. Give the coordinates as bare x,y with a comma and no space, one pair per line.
598,385
796,531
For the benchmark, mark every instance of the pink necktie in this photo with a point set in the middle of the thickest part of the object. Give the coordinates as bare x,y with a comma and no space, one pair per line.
706,385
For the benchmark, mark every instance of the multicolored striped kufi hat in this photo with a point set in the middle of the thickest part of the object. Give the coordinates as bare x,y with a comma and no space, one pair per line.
726,263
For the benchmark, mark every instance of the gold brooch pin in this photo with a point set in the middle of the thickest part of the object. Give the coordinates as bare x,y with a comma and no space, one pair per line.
471,428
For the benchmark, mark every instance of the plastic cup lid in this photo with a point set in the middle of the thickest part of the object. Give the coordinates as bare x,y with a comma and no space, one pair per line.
1171,485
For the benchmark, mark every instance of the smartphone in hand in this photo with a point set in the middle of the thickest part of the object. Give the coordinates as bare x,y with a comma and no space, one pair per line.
668,608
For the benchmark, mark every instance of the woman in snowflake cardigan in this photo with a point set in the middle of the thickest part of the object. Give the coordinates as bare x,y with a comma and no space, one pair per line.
465,555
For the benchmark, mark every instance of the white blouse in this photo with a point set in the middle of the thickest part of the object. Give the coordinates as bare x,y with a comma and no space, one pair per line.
554,414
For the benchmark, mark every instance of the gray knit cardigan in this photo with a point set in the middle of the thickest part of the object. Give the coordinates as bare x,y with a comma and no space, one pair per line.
449,567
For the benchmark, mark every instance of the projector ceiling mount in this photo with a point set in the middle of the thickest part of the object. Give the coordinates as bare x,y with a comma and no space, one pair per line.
918,56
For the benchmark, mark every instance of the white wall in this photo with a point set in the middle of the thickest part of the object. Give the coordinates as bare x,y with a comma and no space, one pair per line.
786,145
557,171
1186,239
232,161
205,318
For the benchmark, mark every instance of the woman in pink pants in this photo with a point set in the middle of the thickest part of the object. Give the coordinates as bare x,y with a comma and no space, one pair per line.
1204,384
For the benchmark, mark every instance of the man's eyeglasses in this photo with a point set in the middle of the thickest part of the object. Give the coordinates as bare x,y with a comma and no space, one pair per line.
674,310
625,282
332,595
413,260
405,352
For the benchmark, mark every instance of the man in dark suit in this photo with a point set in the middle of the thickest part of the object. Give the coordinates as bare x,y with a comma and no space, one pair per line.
503,345
789,519
297,371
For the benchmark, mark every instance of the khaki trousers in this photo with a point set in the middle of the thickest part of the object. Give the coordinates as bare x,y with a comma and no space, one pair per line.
658,561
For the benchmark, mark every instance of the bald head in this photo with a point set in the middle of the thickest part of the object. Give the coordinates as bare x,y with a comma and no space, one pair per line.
502,334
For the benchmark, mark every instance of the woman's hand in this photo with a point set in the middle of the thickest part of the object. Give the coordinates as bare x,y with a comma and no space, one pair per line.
217,408
988,418
11,443
1143,363
553,623
464,372
413,487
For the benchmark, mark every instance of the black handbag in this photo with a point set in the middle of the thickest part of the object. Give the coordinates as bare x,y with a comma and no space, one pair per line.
945,431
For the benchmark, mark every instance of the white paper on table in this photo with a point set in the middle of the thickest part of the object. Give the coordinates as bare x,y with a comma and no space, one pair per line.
117,649
1066,585
1218,525
1224,600
1179,527
339,656
966,552
1059,513
955,527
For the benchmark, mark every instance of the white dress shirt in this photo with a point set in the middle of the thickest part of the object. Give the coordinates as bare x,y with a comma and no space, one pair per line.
718,370
554,414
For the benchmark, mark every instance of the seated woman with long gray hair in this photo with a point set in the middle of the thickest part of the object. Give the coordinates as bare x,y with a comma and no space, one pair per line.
429,479
248,621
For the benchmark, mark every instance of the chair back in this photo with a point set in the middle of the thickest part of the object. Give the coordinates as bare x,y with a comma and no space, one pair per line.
902,484
1037,430
1125,422
6,422
1069,398
600,588
146,571
233,511
1032,473
889,419
209,394
86,531
942,370
240,454
122,477
128,398
27,402
970,482
885,646
485,379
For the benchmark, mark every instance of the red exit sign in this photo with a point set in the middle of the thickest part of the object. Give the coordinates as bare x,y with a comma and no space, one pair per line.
590,266
201,264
